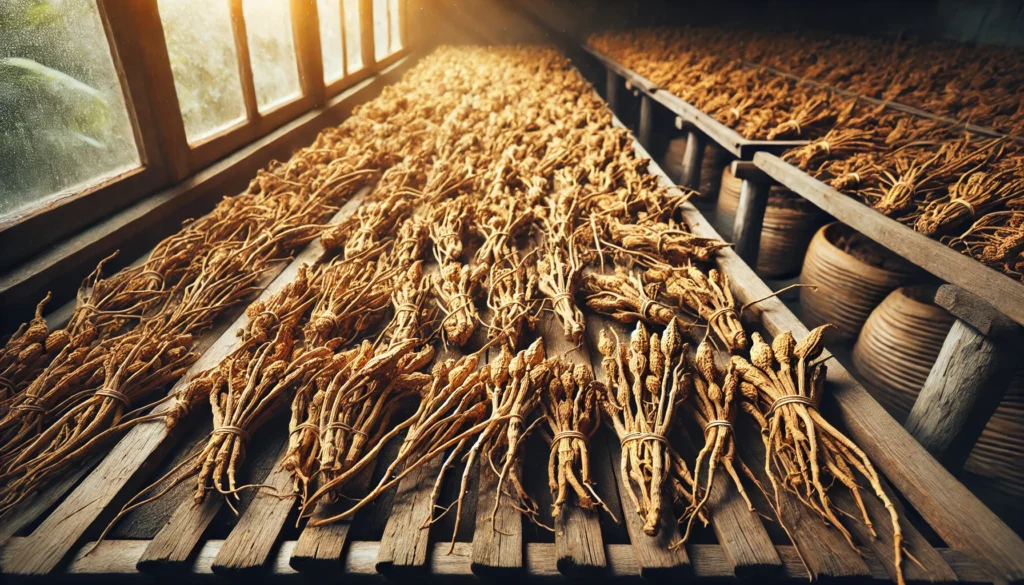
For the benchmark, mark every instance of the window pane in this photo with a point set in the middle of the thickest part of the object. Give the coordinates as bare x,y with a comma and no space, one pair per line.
329,14
353,46
395,35
380,29
63,120
268,24
201,46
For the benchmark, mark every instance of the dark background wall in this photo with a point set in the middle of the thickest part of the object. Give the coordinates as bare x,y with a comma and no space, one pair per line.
990,22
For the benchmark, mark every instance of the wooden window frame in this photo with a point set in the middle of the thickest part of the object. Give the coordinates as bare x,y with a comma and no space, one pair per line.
166,157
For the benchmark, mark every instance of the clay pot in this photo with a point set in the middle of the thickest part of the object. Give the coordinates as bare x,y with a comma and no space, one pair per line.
898,346
998,456
790,222
853,275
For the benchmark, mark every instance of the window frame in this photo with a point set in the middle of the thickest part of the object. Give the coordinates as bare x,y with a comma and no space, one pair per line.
165,155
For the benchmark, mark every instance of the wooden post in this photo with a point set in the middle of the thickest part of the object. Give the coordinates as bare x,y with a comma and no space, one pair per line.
746,231
968,380
695,142
611,91
645,127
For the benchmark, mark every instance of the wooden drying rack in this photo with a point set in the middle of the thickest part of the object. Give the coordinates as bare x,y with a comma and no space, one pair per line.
980,353
51,533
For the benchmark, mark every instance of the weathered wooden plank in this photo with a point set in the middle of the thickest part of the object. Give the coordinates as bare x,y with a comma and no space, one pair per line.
932,568
173,546
498,538
133,458
745,543
999,290
118,559
405,546
578,541
645,126
963,389
248,548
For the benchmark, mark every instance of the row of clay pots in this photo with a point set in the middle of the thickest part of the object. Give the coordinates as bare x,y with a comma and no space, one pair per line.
869,294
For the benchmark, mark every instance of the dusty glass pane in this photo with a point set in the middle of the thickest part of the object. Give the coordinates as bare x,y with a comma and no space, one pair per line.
353,46
329,14
395,34
380,29
268,25
63,120
201,46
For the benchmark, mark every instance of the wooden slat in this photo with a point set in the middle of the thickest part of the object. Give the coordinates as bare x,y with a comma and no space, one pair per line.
404,547
578,543
498,538
826,552
949,508
999,290
244,62
319,549
654,555
145,445
248,548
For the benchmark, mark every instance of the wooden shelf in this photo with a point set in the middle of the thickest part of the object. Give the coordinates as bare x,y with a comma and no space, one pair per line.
1002,292
688,114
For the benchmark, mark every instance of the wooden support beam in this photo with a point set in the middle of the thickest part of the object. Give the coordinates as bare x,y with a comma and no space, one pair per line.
692,157
967,381
498,537
611,90
748,171
746,230
645,127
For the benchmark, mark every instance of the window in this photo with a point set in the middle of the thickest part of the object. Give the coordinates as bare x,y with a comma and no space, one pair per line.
64,124
332,44
275,72
201,48
380,29
353,37
394,26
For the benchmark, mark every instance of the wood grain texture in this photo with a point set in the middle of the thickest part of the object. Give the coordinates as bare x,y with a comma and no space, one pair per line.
116,559
132,459
405,544
978,314
248,548
404,547
746,231
578,541
745,542
963,389
824,550
999,290
498,538
319,549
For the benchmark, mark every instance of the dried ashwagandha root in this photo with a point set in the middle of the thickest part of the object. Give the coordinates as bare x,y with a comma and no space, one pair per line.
624,298
709,296
571,411
805,454
664,241
645,380
713,405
